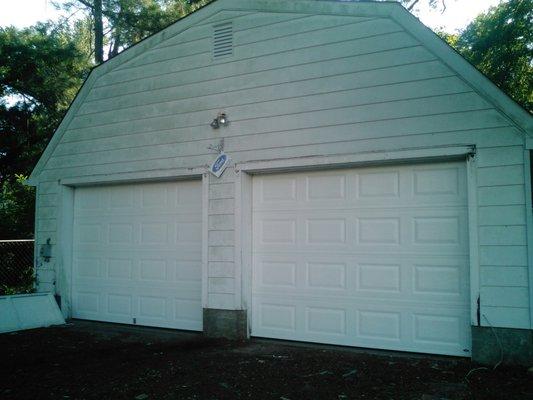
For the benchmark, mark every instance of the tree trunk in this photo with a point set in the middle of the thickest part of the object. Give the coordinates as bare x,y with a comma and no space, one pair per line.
98,33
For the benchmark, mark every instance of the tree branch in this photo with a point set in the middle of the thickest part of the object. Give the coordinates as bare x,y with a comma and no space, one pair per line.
86,4
414,3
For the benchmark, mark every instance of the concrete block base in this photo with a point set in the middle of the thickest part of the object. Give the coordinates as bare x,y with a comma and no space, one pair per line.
229,324
516,344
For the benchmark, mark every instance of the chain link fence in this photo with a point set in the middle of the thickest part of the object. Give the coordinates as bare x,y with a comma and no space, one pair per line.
17,274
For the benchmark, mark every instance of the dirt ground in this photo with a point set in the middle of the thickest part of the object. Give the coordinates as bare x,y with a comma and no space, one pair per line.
104,361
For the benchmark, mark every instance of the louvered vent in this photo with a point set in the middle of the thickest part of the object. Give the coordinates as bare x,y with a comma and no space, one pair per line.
222,40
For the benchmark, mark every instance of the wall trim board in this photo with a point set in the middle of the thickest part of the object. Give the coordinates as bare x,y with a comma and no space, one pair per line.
354,160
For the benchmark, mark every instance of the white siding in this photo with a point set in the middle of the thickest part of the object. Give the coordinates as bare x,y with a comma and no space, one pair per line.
297,85
46,227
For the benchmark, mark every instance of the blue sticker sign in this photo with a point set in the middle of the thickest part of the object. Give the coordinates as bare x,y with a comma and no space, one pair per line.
219,165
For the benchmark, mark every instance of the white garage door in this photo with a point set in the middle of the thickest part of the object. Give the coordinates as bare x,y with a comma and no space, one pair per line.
369,257
137,254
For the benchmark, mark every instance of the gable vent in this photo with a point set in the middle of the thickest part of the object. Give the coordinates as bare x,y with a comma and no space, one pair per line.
223,40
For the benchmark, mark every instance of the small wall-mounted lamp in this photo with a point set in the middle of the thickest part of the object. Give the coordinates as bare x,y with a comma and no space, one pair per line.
46,251
220,120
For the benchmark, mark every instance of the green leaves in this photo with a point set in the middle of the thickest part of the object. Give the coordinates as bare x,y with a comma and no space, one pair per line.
500,44
17,205
125,22
41,71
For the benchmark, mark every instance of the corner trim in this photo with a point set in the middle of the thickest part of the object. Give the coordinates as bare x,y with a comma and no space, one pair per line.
205,238
473,238
529,228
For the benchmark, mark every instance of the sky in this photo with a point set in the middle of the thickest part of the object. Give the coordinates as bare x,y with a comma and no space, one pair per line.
458,14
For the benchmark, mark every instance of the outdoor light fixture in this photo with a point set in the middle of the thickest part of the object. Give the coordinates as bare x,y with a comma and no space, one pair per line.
220,120
46,251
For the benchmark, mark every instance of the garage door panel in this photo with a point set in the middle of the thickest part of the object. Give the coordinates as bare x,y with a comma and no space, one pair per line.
379,187
439,231
379,325
137,254
421,278
373,257
187,252
187,290
149,309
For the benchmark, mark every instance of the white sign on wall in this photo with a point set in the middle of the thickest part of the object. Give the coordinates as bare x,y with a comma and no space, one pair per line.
219,165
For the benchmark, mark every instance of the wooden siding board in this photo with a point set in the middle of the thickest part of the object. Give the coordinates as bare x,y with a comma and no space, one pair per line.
505,296
41,237
47,212
295,124
333,54
182,86
221,206
265,47
505,317
227,177
196,118
244,33
221,238
221,285
221,222
504,276
355,114
307,80
48,200
48,187
266,102
223,191
502,235
179,37
221,253
45,275
501,215
500,156
489,195
501,195
497,176
46,225
503,255
254,95
221,301
221,270
380,139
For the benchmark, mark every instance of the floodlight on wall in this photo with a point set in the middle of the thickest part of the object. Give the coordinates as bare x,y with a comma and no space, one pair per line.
220,120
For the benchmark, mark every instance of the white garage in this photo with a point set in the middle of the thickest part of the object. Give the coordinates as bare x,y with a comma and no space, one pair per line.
137,254
369,257
377,190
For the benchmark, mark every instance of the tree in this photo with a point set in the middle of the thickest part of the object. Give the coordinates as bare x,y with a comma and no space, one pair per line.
40,73
117,24
17,206
500,44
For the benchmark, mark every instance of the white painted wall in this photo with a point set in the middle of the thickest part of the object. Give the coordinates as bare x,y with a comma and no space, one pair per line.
297,85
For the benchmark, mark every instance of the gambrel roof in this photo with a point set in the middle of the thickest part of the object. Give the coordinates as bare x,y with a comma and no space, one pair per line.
393,10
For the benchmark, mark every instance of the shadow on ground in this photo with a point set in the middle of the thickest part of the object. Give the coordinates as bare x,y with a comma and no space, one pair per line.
104,361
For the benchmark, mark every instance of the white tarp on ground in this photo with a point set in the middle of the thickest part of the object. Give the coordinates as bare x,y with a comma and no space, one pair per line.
28,311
